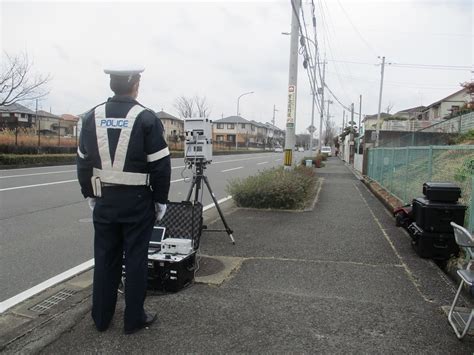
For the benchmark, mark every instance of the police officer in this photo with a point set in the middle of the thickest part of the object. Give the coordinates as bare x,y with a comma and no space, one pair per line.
123,167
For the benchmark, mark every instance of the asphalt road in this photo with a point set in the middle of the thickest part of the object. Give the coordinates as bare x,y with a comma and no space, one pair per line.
46,226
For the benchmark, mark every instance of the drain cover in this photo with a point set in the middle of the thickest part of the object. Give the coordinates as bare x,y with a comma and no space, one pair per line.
209,266
52,301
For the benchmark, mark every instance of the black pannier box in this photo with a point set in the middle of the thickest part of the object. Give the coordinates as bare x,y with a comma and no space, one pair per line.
441,191
438,246
435,216
171,273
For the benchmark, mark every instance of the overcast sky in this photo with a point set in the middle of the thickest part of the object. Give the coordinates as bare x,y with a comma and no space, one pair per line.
221,49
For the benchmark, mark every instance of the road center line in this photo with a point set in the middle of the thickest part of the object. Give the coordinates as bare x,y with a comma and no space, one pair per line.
263,162
240,167
89,264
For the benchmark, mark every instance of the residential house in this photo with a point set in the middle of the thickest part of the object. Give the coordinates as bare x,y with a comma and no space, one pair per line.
174,126
261,136
414,113
232,130
49,123
16,115
447,107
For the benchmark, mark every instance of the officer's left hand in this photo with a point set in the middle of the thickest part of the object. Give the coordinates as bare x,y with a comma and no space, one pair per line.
91,202
160,210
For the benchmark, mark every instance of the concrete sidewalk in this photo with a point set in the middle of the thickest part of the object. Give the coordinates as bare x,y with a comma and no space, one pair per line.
339,279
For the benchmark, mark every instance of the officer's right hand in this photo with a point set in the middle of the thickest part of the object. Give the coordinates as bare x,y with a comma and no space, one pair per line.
160,210
91,202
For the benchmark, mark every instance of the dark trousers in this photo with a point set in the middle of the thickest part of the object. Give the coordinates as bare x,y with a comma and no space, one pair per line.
123,223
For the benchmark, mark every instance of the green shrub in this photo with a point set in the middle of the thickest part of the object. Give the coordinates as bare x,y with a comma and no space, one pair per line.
274,188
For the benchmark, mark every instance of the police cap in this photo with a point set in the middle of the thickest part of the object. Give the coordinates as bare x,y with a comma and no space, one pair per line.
124,71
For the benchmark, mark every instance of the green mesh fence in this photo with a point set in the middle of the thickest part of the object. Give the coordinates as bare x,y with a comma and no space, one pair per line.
402,171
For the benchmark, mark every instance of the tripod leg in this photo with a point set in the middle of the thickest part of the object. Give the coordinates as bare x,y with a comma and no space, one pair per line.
227,228
193,183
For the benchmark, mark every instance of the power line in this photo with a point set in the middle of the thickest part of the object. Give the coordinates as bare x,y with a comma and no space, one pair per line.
356,30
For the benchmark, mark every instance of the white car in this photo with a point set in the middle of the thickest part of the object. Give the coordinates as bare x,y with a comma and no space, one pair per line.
279,149
326,150
300,149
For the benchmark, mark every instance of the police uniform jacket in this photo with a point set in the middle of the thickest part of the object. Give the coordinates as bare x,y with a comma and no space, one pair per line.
122,143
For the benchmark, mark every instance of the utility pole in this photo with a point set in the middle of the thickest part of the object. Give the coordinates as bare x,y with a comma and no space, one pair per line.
311,127
273,120
292,82
360,119
39,124
351,137
321,117
377,127
343,120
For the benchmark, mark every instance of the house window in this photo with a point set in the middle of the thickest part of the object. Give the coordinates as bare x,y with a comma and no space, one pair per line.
220,138
242,126
22,115
454,109
220,126
253,128
230,126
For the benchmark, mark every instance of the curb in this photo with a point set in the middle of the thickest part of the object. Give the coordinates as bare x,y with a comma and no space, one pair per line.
41,319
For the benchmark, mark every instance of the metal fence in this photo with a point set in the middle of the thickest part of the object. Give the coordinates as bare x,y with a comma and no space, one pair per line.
403,170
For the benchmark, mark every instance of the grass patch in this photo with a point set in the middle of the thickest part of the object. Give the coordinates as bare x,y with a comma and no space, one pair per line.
275,188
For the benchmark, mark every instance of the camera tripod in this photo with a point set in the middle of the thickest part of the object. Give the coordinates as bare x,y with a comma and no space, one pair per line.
196,185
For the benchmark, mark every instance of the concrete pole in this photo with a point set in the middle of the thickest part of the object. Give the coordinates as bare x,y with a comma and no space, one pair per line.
292,82
311,132
321,117
377,127
360,119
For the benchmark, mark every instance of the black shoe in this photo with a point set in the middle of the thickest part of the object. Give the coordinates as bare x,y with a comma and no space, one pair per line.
149,320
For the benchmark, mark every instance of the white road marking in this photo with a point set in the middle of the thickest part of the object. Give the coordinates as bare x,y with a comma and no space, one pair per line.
263,162
54,183
89,264
278,159
51,172
45,184
226,170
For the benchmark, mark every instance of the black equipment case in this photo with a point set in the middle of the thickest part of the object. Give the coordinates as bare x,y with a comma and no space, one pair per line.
438,246
434,216
171,273
441,191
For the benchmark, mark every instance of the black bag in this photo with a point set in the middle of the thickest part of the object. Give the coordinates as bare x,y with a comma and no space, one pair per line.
441,191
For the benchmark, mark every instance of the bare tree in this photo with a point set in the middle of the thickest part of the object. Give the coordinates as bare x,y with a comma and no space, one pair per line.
192,106
202,106
185,106
18,82
389,107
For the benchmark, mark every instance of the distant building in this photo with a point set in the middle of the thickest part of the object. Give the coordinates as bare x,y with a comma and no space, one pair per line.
415,113
174,126
447,107
247,133
16,115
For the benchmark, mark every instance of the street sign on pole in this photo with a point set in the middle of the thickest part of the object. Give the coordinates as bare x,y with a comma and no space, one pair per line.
290,119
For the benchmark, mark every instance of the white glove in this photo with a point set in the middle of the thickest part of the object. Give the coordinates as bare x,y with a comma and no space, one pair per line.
160,210
91,202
